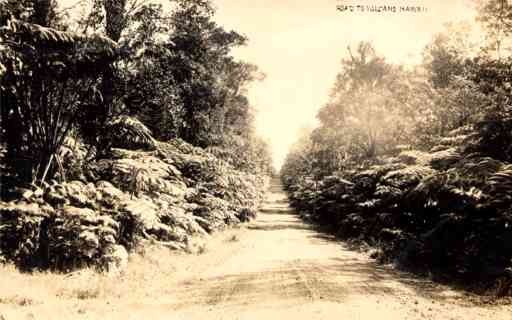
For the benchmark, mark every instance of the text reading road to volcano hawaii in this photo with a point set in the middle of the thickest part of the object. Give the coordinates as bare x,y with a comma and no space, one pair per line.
380,8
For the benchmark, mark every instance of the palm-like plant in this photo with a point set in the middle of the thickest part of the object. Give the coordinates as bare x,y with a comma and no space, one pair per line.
47,76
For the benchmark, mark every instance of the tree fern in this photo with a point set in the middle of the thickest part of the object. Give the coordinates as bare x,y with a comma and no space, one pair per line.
129,133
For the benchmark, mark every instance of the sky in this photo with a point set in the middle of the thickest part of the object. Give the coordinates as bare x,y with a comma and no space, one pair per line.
299,44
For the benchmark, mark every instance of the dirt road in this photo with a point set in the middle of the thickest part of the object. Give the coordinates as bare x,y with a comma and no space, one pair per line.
276,267
282,269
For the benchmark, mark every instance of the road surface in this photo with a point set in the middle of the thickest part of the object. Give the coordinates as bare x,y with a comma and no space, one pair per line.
283,269
276,267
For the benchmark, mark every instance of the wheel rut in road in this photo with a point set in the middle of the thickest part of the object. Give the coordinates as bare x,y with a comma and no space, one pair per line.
282,267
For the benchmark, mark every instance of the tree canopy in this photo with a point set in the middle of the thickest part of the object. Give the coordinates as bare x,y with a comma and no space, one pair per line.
170,70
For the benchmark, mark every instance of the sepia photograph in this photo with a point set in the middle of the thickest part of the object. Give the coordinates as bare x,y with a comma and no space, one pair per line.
256,159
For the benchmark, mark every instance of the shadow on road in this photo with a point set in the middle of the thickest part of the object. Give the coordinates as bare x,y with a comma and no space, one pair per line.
276,211
278,226
306,264
334,280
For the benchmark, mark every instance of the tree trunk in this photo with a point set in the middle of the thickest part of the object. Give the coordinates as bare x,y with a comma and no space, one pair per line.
42,12
115,23
11,124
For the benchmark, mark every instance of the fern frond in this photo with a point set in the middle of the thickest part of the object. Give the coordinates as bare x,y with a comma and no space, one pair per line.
53,35
500,185
129,133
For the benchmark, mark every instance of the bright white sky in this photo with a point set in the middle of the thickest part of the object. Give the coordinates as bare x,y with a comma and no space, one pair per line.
298,44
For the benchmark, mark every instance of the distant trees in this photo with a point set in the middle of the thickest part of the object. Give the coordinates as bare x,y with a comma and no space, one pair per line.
369,110
200,64
444,56
375,106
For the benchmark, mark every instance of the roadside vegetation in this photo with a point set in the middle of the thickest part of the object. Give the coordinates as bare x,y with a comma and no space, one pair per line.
416,161
127,126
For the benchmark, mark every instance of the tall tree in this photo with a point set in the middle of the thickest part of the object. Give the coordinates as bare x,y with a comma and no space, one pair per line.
200,52
445,55
496,17
357,100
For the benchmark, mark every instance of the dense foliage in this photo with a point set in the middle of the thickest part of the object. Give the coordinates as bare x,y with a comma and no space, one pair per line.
170,70
111,120
416,161
165,196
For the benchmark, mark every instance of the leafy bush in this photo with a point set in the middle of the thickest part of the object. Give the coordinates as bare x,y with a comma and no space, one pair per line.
133,198
415,162
455,221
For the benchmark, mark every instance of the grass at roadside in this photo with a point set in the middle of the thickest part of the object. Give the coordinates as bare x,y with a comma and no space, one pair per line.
150,276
